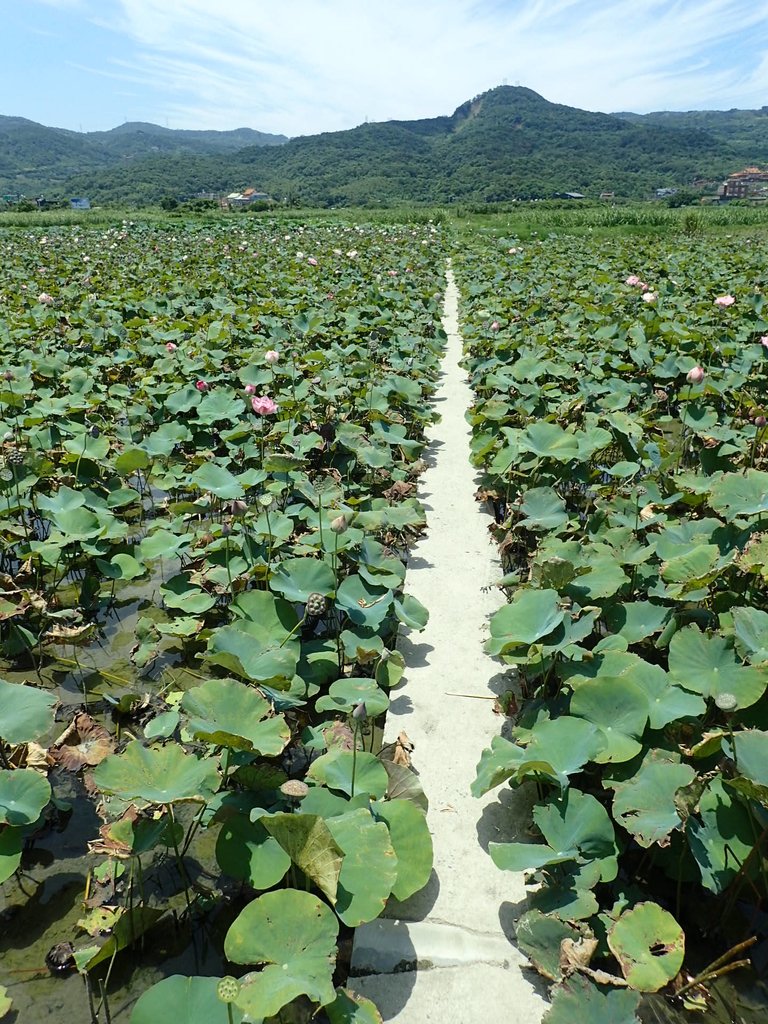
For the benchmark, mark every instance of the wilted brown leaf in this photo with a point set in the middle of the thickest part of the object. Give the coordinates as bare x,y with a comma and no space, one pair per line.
399,491
83,742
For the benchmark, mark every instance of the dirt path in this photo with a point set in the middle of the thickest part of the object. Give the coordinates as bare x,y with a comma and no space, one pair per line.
459,930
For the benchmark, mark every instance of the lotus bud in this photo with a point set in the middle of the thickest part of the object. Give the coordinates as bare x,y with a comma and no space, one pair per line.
201,385
339,524
495,326
272,357
695,375
760,421
726,702
238,506
360,712
94,432
250,389
170,346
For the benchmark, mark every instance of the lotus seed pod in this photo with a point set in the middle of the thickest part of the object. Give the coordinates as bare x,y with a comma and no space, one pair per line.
316,605
726,702
228,989
294,788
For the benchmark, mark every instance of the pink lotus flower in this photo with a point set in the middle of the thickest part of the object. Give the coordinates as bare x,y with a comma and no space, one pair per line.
764,341
495,326
45,299
632,280
271,357
650,296
724,301
263,405
201,385
250,389
170,347
695,375
312,261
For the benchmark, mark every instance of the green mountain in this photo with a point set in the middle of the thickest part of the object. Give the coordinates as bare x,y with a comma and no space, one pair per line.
507,143
36,159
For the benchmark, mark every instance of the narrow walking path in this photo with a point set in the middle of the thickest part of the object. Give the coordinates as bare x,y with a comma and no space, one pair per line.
447,954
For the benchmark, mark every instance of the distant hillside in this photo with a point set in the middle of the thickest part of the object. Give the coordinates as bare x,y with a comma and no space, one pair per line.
508,143
36,159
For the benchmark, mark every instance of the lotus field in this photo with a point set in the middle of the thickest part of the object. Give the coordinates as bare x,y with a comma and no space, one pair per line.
211,436
620,429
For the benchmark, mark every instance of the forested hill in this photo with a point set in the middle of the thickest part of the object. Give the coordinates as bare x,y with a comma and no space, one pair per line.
508,143
34,158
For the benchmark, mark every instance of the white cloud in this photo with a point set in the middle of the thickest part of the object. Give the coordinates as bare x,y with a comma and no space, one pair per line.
303,66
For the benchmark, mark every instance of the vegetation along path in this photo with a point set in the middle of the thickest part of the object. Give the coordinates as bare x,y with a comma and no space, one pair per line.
447,954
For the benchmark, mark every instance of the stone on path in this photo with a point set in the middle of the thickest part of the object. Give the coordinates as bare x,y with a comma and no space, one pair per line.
448,953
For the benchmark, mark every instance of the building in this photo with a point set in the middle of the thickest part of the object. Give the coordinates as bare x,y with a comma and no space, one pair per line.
751,183
80,204
235,200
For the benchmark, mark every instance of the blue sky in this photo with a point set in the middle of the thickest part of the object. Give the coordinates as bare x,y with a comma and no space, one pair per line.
299,67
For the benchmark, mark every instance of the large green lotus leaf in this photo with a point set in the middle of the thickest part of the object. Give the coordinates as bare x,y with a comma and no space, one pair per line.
230,713
564,900
271,618
619,708
751,754
735,495
693,566
575,826
720,836
350,1008
365,604
179,593
539,936
23,795
666,701
246,851
345,694
218,480
11,843
645,803
161,775
132,923
25,713
543,509
184,399
411,612
369,868
412,843
339,769
294,934
297,578
191,1000
497,763
580,1001
550,441
79,524
380,567
87,446
162,544
750,627
706,665
604,579
241,649
221,404
635,620
531,615
306,839
649,945
390,669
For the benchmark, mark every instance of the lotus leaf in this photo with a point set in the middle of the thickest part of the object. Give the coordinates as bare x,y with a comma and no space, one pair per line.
192,1000
749,749
576,827
619,709
350,1008
404,784
736,495
309,843
132,923
369,868
548,440
539,936
366,605
645,803
412,843
636,620
230,713
531,615
543,509
11,843
345,694
706,665
751,630
297,578
411,612
340,769
218,480
294,935
721,837
179,593
161,775
246,851
649,945
25,713
581,1000
23,795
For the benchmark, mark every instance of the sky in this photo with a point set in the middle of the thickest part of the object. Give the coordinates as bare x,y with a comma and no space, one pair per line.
299,67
